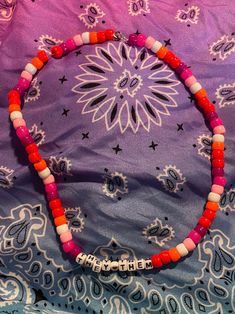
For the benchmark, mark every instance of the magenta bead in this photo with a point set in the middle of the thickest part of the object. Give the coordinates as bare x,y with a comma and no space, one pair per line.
23,83
132,41
217,172
180,68
75,251
52,195
220,180
201,230
194,236
19,89
141,39
211,115
215,122
23,134
70,43
65,48
186,74
51,187
68,246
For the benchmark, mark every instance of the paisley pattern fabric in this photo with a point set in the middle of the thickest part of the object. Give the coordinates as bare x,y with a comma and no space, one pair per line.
130,153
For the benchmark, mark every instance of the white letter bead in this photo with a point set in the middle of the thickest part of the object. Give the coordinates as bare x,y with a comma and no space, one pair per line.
182,249
195,88
97,266
105,265
44,173
122,265
30,68
86,37
114,265
156,46
15,115
214,197
81,258
90,260
62,229
148,264
131,265
218,138
140,264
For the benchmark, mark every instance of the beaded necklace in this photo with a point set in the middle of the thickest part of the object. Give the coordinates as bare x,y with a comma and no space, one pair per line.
217,154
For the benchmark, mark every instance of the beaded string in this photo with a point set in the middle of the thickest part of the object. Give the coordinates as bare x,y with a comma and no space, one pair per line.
40,165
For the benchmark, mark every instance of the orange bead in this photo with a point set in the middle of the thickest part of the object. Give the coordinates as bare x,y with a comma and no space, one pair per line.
13,107
174,254
200,94
61,220
212,205
93,37
41,165
162,52
37,63
218,145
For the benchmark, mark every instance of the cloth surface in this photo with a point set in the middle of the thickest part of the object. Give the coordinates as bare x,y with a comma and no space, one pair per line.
130,153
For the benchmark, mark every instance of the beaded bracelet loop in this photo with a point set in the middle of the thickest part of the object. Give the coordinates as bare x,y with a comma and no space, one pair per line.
40,165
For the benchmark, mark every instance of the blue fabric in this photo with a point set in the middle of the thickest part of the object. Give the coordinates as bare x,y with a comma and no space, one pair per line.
130,153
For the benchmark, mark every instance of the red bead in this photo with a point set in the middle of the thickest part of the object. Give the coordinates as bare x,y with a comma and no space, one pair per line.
57,212
217,154
156,261
168,56
57,52
174,62
209,108
31,148
14,100
101,37
55,203
209,214
42,55
218,163
109,34
34,157
13,93
205,222
165,257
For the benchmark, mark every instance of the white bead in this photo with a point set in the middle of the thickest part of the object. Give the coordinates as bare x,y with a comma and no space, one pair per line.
15,115
86,37
156,46
30,68
81,258
122,265
140,264
131,265
97,266
62,229
195,88
181,248
90,260
44,173
105,265
114,265
148,264
218,138
213,197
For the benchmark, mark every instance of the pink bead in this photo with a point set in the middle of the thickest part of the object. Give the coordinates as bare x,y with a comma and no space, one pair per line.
19,122
220,129
70,43
26,75
149,42
23,134
51,187
75,251
194,236
78,40
65,237
219,180
23,83
141,40
186,74
49,179
52,195
68,246
216,122
132,41
217,189
190,81
189,244
19,89
217,172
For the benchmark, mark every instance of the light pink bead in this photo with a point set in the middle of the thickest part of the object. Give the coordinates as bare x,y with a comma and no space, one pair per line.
186,74
189,244
19,122
217,189
78,40
149,42
28,76
65,237
51,187
49,179
220,129
70,43
190,81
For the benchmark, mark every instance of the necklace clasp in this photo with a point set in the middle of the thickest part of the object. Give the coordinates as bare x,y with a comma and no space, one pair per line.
118,36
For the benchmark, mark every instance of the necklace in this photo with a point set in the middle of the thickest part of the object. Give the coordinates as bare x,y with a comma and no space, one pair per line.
217,156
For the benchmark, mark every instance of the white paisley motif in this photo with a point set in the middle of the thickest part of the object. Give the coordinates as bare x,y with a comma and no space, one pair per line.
91,15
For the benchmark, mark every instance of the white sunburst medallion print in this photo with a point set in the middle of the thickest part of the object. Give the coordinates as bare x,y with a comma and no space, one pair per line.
126,87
